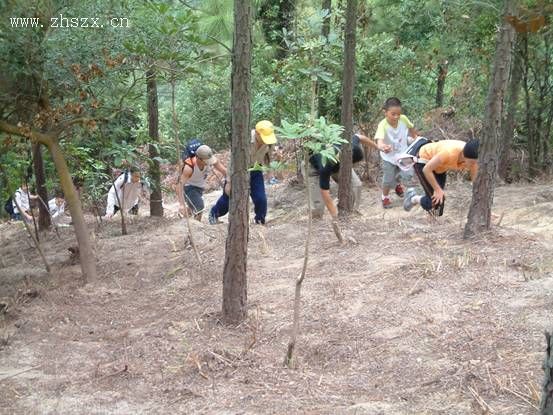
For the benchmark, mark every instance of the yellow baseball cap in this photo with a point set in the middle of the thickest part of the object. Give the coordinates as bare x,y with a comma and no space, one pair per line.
266,131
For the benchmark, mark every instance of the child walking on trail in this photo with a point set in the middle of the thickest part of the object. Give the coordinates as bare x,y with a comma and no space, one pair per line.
394,133
433,161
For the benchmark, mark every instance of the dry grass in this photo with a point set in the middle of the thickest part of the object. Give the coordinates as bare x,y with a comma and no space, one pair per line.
408,319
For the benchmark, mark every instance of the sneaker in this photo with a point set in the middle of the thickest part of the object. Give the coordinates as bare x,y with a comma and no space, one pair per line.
212,218
407,202
399,190
386,203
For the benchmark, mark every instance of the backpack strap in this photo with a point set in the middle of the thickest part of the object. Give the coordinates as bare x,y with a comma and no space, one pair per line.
190,162
125,179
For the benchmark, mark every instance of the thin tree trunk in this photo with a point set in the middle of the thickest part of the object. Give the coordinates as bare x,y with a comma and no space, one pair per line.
289,359
86,252
179,161
325,31
236,252
528,108
440,84
35,227
44,221
345,196
33,237
175,118
479,217
510,116
121,210
156,204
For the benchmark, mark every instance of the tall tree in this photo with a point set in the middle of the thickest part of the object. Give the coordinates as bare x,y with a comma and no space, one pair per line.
44,221
440,83
236,252
511,110
345,197
479,216
156,205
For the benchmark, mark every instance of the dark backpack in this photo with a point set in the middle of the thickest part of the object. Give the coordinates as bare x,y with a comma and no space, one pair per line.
8,206
190,149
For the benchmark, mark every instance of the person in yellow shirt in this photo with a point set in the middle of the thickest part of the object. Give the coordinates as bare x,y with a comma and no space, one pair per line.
433,161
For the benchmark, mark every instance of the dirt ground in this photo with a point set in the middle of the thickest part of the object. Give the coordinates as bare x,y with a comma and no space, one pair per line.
406,318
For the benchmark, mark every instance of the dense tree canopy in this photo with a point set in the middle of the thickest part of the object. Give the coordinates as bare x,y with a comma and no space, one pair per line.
90,82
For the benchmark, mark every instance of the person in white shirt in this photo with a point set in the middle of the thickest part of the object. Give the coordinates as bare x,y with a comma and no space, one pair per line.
23,198
394,133
56,206
124,193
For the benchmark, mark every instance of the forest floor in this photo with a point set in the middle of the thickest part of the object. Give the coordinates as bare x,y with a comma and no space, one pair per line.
406,318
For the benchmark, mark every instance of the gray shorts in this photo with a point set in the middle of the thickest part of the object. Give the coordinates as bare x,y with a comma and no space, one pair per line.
393,175
194,200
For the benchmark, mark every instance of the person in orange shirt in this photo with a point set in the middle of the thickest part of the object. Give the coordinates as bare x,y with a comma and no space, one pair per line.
433,161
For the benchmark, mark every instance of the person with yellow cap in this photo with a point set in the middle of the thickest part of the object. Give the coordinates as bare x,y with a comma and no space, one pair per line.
262,140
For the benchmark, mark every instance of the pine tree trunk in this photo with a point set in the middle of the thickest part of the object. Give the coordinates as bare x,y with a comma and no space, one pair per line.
345,196
479,217
440,84
86,252
511,110
236,252
546,404
156,205
44,221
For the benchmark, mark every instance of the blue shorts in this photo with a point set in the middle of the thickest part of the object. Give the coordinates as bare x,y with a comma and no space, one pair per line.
194,198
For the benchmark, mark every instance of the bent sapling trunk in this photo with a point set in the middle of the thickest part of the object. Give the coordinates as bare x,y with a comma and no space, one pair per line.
87,257
289,360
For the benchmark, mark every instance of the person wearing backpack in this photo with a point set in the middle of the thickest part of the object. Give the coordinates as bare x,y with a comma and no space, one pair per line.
124,193
193,174
263,139
23,198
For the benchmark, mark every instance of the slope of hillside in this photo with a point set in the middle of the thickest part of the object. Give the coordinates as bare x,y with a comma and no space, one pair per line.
407,317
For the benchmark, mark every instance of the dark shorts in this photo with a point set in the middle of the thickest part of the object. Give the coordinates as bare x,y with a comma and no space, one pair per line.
194,198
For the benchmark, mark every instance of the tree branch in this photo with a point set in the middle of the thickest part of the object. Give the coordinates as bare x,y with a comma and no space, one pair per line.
29,133
220,43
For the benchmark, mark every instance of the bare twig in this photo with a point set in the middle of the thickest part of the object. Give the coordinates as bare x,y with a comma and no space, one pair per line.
520,396
19,373
480,401
37,245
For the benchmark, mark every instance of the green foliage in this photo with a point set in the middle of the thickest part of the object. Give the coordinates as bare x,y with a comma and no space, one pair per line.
320,138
